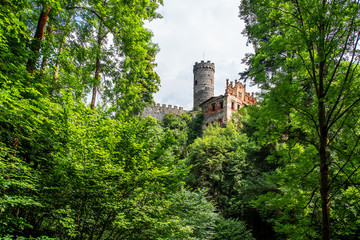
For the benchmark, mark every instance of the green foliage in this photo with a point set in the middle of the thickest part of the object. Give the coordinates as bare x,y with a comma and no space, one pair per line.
192,211
95,177
219,159
18,184
223,164
195,127
186,128
230,229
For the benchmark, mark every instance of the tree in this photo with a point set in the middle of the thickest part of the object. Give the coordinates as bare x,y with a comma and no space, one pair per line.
306,60
185,128
223,163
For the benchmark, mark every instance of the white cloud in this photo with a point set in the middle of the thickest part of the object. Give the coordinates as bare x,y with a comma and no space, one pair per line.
189,30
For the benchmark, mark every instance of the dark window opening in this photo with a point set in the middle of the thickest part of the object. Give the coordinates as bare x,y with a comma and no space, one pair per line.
213,106
221,105
195,82
207,124
232,105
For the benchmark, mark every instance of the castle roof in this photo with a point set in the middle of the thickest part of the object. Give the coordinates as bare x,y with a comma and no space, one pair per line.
210,99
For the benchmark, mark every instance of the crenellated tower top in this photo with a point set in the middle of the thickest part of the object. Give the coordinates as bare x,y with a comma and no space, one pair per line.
203,64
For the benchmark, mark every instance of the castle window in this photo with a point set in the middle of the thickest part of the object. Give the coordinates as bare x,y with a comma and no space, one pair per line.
221,105
232,105
213,106
195,82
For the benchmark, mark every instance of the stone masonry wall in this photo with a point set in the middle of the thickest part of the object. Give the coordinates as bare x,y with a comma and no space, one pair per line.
159,111
214,110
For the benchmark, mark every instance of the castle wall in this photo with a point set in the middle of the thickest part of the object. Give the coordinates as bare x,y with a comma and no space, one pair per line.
220,109
214,110
159,111
232,104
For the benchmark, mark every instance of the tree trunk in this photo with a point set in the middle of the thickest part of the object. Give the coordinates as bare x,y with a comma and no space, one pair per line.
97,68
324,175
39,35
323,129
49,31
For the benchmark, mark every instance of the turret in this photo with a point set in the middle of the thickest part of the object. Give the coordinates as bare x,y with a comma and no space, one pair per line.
203,82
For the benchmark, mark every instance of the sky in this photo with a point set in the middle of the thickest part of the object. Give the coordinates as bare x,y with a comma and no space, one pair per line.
195,30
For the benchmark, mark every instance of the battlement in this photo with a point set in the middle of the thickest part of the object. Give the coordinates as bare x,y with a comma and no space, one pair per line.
237,85
159,111
166,107
203,64
239,90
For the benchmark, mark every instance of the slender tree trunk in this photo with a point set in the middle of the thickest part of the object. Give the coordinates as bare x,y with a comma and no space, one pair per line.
97,68
49,31
39,35
323,130
61,47
324,175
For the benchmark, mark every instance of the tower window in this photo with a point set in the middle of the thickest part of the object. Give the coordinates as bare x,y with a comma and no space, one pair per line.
221,105
195,82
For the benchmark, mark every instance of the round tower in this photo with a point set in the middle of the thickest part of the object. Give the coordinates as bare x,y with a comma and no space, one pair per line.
203,82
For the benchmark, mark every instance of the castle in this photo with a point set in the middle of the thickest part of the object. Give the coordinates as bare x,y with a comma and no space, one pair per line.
215,108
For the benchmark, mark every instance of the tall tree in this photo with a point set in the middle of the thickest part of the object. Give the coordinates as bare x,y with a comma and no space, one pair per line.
38,37
306,59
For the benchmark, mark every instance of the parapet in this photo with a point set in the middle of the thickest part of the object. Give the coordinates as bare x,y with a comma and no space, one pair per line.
235,86
159,111
238,87
203,64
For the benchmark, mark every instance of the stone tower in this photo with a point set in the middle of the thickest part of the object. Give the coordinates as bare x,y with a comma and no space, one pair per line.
203,82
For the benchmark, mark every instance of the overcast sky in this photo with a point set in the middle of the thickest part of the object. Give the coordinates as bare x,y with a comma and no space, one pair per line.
195,30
